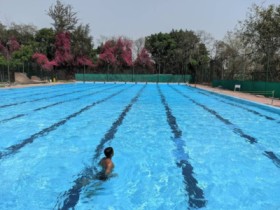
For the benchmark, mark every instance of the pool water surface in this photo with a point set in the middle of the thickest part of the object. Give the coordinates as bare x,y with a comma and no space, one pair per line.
176,147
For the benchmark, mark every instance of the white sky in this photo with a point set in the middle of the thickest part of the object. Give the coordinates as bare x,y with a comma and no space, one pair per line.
136,18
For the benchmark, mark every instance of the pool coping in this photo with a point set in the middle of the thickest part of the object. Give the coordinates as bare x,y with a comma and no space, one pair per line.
253,99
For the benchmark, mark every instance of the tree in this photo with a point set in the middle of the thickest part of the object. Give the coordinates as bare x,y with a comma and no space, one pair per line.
43,61
63,16
144,61
260,32
160,45
123,52
45,39
187,49
7,50
175,51
81,45
24,33
63,55
116,53
73,44
106,55
23,55
138,45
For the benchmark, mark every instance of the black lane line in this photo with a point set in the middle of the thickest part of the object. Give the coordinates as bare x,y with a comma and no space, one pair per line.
195,194
40,99
12,118
73,195
27,90
14,148
241,107
34,94
54,104
74,99
26,96
271,155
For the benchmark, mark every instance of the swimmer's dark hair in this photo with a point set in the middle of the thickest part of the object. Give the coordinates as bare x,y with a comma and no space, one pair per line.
109,151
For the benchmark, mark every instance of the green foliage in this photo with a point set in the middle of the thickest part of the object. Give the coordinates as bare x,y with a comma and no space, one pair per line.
45,39
81,41
260,32
176,50
24,54
3,60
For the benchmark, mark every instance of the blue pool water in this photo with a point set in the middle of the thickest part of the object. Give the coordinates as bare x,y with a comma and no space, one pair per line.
176,147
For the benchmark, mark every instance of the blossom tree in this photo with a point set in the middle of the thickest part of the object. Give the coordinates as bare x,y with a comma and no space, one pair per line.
43,61
73,43
82,46
63,54
84,61
117,53
123,52
7,50
144,60
107,53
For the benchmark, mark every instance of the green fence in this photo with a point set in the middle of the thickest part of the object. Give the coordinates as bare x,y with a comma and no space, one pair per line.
254,87
164,78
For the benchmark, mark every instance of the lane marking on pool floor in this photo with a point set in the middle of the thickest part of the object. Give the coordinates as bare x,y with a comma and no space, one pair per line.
55,104
252,140
40,99
73,195
194,192
236,105
16,147
16,91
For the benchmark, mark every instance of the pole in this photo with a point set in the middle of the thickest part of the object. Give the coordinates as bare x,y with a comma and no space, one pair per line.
84,74
272,97
266,74
243,78
158,72
9,76
132,73
107,71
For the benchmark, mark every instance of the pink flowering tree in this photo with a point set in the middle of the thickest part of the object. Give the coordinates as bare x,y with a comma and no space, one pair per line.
106,55
63,56
44,62
107,52
144,61
7,51
84,61
117,54
123,52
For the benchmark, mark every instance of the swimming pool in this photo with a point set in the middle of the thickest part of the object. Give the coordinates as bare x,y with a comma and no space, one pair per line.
176,147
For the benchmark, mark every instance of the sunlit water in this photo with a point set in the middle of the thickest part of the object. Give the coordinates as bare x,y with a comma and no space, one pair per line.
176,147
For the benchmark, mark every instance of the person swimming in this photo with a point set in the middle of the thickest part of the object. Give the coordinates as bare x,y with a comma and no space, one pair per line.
106,163
88,177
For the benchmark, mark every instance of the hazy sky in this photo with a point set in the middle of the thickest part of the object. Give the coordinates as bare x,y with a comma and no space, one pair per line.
136,18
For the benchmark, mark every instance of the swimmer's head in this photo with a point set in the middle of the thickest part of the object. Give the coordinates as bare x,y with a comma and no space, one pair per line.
109,152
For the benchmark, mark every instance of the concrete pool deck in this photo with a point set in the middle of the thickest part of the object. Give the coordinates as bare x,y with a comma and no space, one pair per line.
247,96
